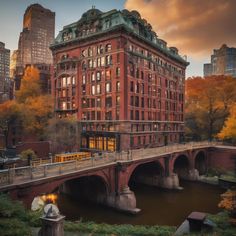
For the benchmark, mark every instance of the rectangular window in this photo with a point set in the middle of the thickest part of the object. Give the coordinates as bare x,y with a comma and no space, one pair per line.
108,74
90,63
64,82
117,71
136,115
93,76
103,61
93,90
117,100
92,102
63,105
108,115
98,88
98,102
131,114
108,87
117,86
131,86
98,76
83,79
69,81
98,115
94,63
117,114
108,102
99,61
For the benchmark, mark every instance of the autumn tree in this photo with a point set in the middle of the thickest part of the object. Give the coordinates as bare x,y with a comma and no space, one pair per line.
30,85
37,106
228,203
228,132
208,101
31,109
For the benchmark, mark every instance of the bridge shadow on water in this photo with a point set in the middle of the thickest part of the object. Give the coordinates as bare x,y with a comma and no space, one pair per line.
159,206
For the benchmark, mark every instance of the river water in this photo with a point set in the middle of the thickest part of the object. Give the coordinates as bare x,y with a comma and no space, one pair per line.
159,206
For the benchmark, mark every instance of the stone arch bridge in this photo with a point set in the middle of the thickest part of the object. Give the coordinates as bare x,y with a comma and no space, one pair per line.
106,179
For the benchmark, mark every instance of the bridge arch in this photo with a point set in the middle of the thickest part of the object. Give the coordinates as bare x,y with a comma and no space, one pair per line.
91,188
146,173
200,162
181,166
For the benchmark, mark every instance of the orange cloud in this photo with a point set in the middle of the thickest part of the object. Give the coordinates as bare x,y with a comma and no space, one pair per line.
194,26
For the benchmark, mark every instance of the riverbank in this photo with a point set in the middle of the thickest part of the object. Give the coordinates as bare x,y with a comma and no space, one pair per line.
229,177
15,220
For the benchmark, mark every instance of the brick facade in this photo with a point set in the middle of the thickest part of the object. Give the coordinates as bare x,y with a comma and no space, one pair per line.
126,91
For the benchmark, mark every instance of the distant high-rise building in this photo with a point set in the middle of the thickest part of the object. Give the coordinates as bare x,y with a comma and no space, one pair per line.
35,39
37,35
4,72
223,62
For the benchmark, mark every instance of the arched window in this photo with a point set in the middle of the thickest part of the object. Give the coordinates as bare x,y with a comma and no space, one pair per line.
108,47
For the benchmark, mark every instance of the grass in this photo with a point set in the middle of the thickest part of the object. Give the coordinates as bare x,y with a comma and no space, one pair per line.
124,230
229,176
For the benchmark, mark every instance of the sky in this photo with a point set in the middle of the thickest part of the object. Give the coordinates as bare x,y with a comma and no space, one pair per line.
195,27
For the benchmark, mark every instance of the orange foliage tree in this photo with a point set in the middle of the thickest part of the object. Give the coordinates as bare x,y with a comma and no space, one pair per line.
228,132
208,101
31,109
30,85
228,203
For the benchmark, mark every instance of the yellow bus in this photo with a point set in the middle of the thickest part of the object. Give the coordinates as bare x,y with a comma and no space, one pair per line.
71,156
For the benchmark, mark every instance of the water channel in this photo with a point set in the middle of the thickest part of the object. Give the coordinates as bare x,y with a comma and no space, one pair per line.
159,206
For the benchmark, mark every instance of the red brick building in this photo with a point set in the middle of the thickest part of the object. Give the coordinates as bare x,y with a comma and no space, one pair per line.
124,84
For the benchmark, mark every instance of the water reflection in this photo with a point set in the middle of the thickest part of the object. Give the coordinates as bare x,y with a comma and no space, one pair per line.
159,206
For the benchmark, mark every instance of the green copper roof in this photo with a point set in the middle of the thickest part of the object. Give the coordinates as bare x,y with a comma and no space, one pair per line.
94,22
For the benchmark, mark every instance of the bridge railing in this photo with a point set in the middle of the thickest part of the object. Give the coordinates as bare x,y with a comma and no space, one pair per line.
29,173
156,151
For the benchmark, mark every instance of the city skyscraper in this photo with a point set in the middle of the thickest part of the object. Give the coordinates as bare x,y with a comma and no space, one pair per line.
37,35
4,72
223,62
33,45
123,83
